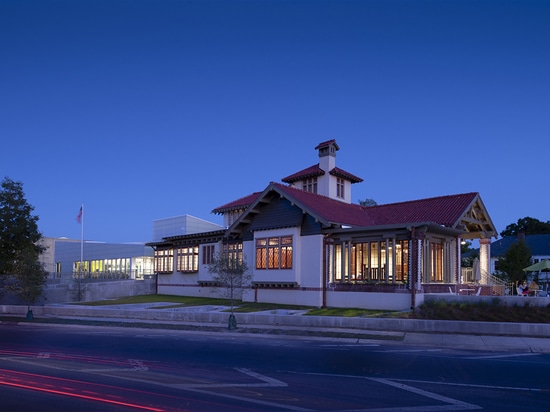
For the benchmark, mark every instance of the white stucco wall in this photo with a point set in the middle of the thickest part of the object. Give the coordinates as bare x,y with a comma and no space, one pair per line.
287,296
372,300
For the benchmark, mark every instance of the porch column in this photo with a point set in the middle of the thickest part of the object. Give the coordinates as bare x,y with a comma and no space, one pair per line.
485,259
417,246
458,257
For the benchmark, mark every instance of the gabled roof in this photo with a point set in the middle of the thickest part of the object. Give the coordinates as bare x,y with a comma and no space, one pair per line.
327,143
238,204
443,210
312,171
463,211
315,171
345,175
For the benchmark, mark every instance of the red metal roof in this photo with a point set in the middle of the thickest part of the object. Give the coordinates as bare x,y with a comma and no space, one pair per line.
327,143
312,171
315,170
330,210
345,175
241,203
442,210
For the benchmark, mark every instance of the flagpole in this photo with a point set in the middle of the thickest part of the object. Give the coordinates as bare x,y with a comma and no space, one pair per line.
81,251
81,237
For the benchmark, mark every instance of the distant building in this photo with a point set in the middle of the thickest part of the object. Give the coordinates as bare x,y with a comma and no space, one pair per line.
181,225
101,260
306,243
62,259
539,245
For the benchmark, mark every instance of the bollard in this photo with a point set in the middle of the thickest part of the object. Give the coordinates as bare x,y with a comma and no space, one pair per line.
232,322
30,316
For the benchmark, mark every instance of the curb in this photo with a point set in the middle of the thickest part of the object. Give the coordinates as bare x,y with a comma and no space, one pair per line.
263,320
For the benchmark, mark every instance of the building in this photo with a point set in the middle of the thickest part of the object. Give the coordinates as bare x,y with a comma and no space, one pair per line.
307,244
62,259
539,245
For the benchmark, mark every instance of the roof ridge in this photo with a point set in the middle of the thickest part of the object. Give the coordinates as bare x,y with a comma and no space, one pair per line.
423,199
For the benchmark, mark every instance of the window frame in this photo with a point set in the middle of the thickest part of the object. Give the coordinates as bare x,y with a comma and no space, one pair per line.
274,252
187,260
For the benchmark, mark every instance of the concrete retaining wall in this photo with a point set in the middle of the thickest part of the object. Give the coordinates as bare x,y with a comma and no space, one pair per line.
275,319
66,292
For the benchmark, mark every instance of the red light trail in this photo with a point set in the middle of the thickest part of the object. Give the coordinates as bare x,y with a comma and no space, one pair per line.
32,381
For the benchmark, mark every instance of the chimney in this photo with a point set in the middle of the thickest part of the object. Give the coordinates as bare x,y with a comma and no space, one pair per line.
327,155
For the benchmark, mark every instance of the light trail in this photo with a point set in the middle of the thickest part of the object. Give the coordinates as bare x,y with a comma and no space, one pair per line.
11,379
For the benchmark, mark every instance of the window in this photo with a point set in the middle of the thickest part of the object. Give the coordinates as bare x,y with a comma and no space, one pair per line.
274,253
310,185
164,261
436,262
233,252
401,260
188,259
207,254
340,187
371,262
233,215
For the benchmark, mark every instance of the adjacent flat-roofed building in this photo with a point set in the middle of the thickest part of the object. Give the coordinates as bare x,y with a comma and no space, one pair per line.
100,260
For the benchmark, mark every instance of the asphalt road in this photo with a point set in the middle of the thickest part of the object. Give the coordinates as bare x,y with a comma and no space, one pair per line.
46,367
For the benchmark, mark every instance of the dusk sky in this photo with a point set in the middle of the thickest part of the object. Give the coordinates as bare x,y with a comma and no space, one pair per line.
144,110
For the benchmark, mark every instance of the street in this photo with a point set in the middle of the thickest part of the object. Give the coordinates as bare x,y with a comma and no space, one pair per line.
66,368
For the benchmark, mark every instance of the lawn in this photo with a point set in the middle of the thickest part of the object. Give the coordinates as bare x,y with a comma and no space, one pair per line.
241,307
483,311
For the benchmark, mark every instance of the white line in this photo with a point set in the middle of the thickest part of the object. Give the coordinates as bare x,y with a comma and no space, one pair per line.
266,379
454,404
250,400
451,404
469,385
508,355
410,350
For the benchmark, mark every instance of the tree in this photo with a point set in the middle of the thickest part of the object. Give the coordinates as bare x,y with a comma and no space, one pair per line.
230,274
19,243
467,253
528,226
517,257
28,277
368,202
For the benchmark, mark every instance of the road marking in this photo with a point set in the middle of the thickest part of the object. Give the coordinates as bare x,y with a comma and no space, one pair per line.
410,350
266,379
353,345
508,355
451,404
250,400
471,385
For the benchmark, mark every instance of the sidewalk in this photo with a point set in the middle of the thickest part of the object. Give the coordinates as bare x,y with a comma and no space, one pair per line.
490,336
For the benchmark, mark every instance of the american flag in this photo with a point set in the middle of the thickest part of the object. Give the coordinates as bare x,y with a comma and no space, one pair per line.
79,216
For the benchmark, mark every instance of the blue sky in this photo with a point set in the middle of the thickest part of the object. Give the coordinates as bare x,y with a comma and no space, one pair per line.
151,109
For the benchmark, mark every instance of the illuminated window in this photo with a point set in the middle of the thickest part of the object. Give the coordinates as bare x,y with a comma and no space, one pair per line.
274,253
371,262
401,260
233,252
188,259
164,261
436,262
